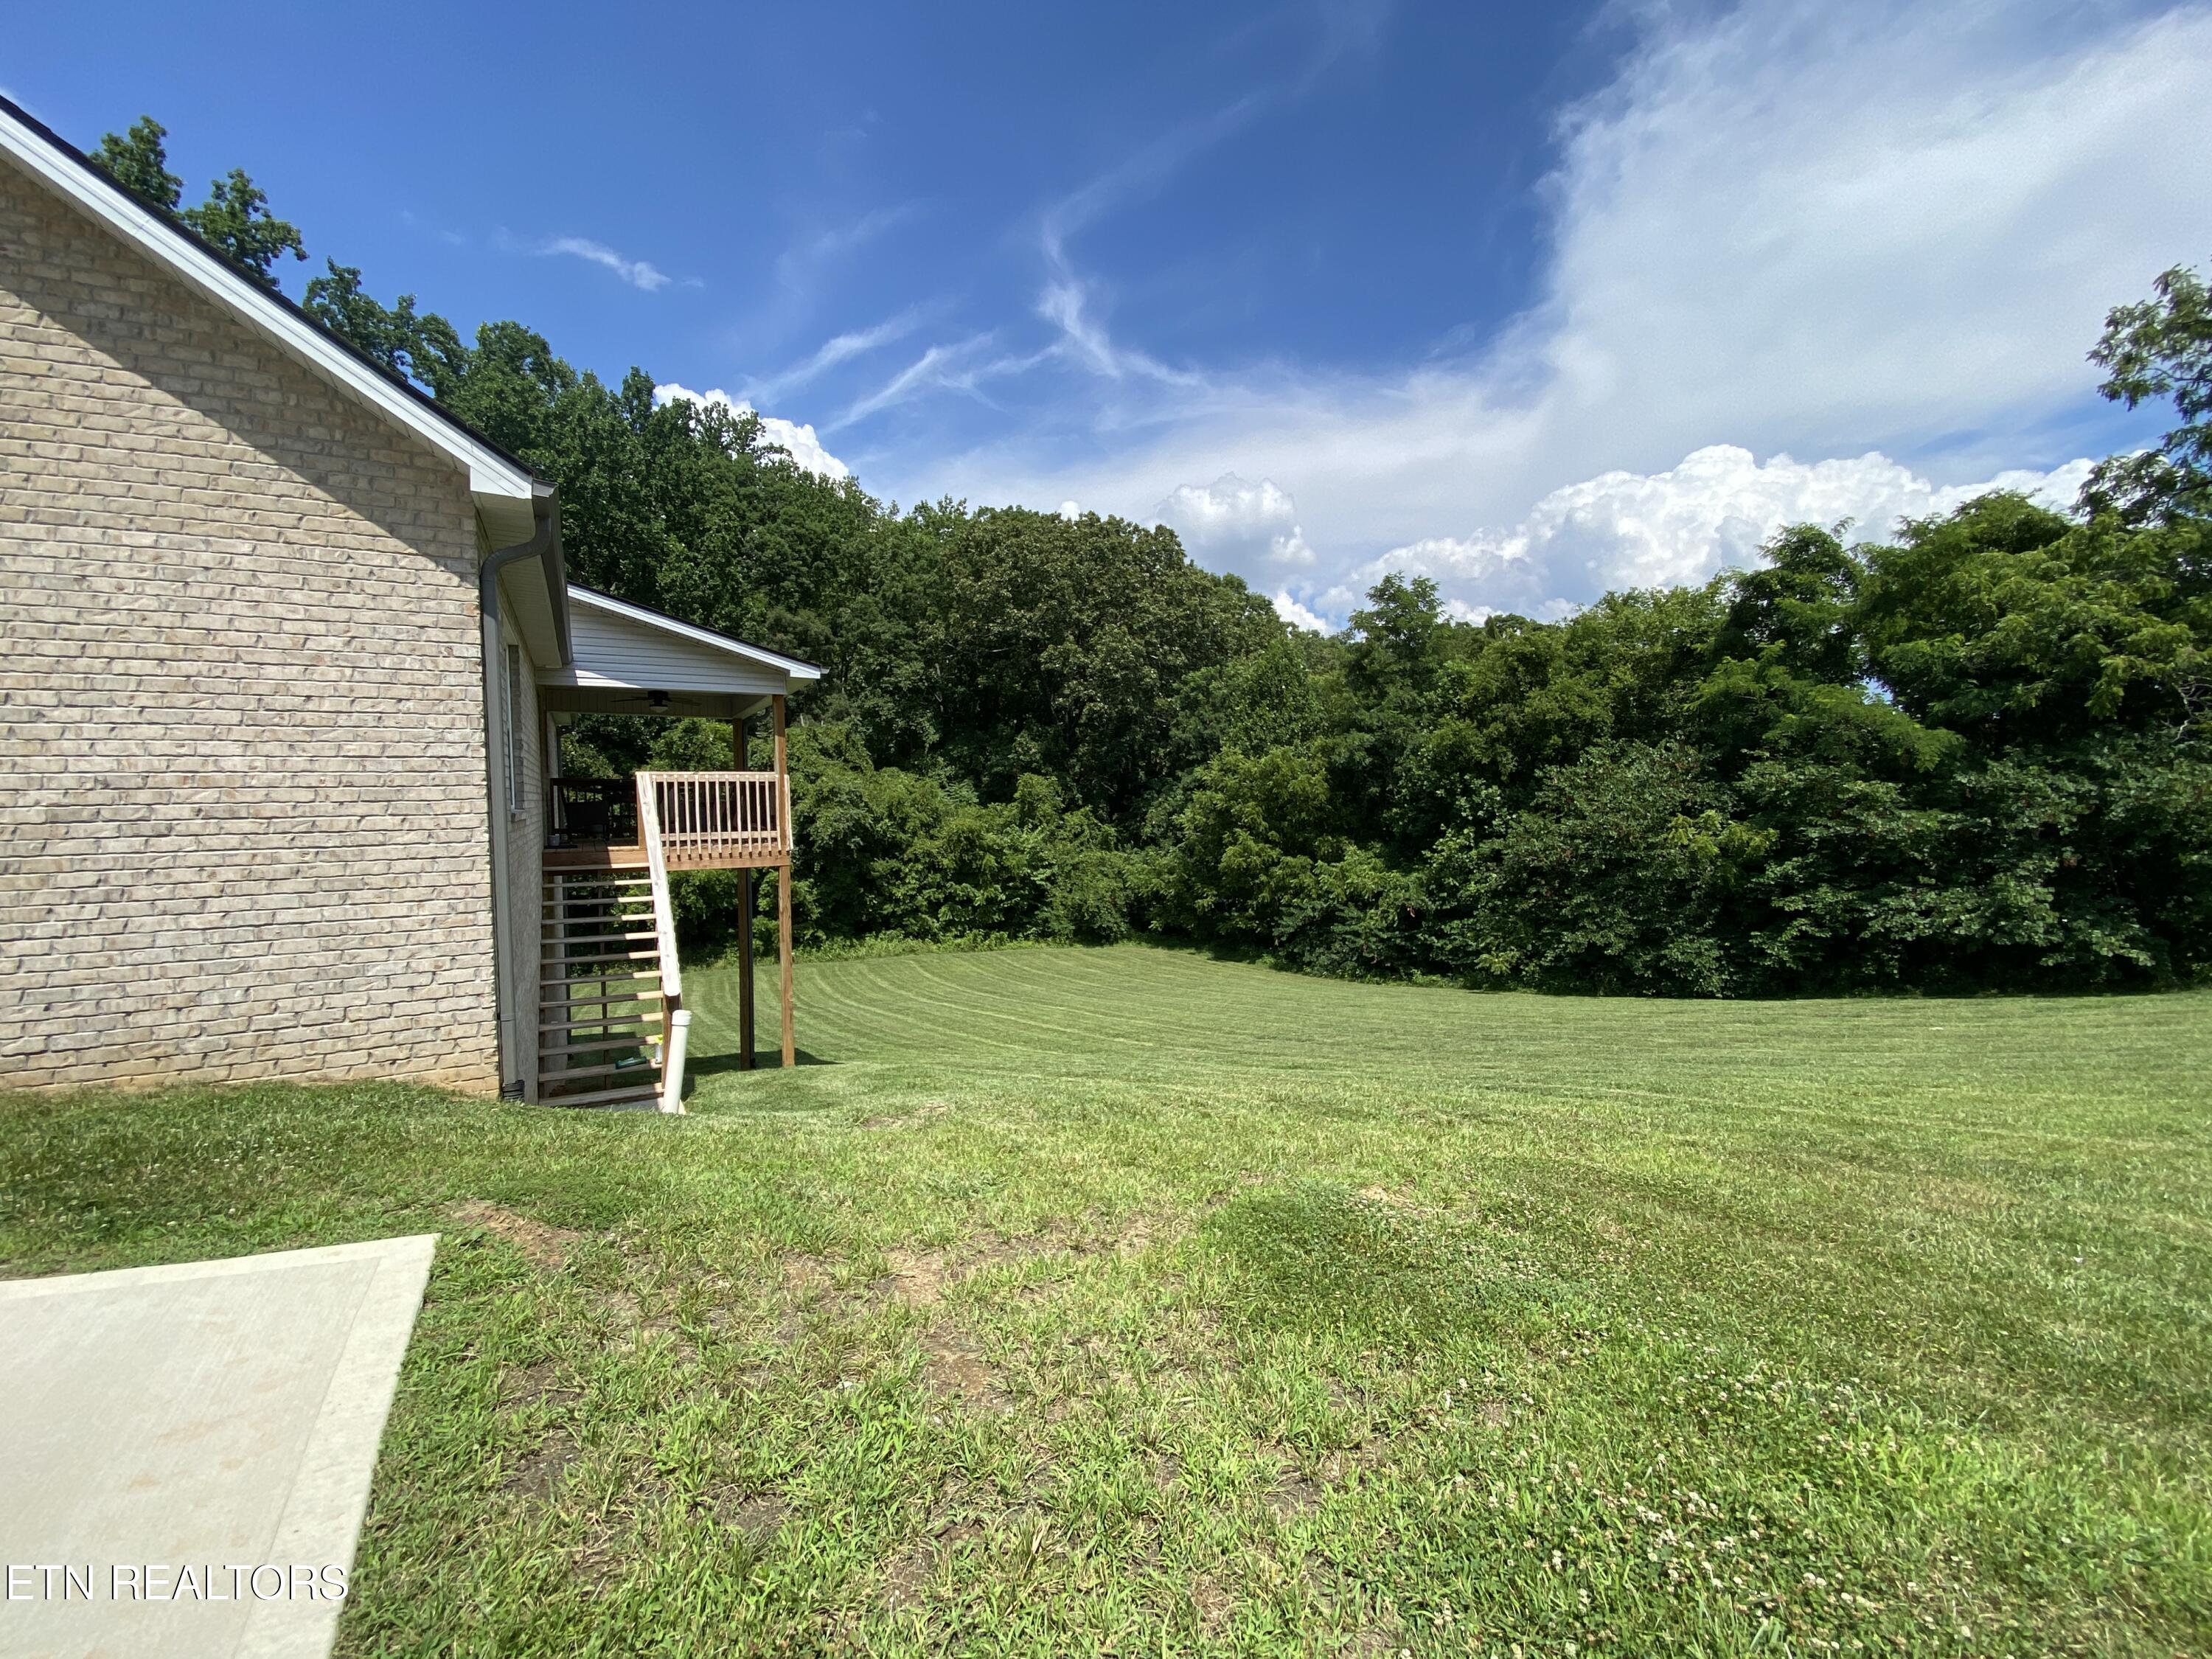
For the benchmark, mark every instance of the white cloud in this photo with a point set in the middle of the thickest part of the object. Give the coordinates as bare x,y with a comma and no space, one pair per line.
800,442
804,448
1881,231
960,366
1297,616
1250,528
1682,526
636,272
797,266
933,368
1066,301
841,347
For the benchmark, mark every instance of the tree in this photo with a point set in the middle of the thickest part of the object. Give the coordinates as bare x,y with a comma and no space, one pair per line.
393,338
235,219
2156,347
2022,630
138,162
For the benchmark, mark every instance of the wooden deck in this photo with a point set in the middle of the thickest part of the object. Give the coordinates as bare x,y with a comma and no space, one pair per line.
702,820
595,858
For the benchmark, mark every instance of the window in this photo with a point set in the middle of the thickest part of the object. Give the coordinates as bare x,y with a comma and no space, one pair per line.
513,729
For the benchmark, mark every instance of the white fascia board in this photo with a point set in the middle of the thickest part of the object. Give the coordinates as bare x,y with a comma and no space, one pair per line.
791,668
493,479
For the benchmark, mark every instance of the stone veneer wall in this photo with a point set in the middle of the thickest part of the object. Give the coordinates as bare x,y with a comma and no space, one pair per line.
242,789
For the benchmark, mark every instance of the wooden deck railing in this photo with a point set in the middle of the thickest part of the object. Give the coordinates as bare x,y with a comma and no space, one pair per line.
591,812
716,820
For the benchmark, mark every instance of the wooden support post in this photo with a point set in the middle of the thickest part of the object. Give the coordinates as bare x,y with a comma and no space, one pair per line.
783,884
745,1026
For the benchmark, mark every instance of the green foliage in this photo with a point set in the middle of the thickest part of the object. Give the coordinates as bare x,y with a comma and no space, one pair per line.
235,219
1973,758
2156,349
139,161
395,339
883,850
2015,627
1618,877
1060,646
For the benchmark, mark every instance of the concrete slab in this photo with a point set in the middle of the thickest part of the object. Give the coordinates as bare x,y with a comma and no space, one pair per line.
186,1451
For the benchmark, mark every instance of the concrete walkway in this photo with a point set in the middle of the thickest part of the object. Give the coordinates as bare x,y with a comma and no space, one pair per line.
185,1451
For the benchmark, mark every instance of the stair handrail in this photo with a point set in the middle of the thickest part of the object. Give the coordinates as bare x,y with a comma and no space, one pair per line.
664,913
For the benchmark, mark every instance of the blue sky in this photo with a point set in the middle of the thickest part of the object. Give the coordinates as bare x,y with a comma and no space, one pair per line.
1537,299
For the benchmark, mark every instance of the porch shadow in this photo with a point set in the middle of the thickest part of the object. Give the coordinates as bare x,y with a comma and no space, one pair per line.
769,1059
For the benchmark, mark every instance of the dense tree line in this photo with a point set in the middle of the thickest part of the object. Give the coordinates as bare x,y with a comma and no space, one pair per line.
1973,756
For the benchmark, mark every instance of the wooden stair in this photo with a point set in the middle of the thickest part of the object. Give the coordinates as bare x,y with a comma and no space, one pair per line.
600,1013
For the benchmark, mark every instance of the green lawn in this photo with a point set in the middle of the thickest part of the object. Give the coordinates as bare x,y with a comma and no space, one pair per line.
1126,1301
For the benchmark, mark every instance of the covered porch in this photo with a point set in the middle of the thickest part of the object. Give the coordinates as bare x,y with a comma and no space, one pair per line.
611,978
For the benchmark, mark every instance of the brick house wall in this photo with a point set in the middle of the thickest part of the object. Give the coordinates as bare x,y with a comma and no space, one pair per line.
242,748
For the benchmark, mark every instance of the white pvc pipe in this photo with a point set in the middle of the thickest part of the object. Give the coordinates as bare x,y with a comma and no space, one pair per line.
671,1074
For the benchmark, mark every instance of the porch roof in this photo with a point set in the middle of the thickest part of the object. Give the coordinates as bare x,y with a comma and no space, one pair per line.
632,660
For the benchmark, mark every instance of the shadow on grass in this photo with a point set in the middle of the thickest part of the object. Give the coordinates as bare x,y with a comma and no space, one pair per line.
767,1059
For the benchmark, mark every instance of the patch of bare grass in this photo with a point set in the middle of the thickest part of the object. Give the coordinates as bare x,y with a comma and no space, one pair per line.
1213,1604
953,1366
908,1575
534,1385
538,1475
548,1247
758,1514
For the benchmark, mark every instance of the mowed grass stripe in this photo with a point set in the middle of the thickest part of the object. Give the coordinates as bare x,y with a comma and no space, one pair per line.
1127,1301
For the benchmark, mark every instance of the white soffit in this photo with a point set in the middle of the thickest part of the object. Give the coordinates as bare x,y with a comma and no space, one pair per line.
502,487
759,658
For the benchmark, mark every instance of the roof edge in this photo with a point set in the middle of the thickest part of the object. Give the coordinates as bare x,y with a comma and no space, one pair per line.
52,159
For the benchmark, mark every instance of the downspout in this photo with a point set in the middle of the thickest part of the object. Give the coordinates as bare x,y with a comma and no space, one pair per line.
545,543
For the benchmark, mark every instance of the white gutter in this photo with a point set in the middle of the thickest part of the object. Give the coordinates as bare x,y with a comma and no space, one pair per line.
545,543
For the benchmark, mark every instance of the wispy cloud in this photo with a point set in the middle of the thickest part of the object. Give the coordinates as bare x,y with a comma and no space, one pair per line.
1072,303
638,273
955,365
1067,301
800,261
838,349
